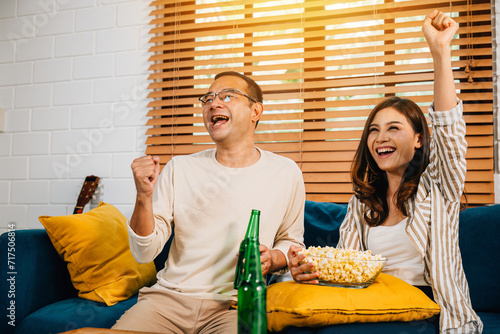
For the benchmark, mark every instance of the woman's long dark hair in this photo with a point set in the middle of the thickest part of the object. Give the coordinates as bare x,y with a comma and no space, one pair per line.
370,182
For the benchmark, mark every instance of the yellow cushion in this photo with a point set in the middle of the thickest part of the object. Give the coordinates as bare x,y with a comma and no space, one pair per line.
95,246
304,305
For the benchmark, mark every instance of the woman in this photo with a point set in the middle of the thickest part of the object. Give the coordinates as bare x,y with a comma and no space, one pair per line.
408,189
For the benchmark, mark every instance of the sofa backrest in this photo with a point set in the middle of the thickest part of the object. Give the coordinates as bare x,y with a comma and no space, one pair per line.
479,240
322,222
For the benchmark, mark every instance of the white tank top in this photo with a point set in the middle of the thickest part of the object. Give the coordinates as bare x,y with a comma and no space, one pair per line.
403,259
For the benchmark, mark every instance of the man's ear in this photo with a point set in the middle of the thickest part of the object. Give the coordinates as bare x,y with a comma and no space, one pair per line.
257,111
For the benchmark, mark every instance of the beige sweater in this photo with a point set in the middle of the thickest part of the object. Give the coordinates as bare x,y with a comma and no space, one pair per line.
208,206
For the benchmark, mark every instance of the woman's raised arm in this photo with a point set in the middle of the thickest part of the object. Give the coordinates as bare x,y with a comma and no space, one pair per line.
439,30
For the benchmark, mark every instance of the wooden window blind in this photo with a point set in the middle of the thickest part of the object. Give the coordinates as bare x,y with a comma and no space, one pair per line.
322,65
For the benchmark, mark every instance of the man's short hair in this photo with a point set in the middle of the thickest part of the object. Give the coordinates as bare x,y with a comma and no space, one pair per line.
254,90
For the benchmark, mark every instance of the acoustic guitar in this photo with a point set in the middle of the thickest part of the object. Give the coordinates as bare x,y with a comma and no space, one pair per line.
89,187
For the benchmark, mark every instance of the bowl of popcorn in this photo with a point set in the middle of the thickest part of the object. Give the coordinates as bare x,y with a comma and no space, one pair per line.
346,268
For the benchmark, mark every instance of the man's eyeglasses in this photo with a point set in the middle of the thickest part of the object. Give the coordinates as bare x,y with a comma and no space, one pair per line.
225,95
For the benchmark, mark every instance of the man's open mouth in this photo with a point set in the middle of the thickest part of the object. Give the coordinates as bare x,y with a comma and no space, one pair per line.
219,119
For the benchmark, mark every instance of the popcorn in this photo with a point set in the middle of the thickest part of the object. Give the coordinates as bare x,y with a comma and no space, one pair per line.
344,266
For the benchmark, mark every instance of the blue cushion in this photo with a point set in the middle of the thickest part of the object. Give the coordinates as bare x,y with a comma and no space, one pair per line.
322,222
479,233
71,314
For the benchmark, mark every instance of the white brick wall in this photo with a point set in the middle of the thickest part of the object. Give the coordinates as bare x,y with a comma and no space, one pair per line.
5,145
6,96
73,82
52,70
34,143
34,49
51,118
95,66
32,96
95,18
15,73
7,9
74,44
73,92
4,192
6,52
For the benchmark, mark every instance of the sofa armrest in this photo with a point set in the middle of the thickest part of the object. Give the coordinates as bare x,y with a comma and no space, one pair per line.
34,277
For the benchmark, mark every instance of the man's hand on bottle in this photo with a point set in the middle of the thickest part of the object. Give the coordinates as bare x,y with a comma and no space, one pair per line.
272,260
265,259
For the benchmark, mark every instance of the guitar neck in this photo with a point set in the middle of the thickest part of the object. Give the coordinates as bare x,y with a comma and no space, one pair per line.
78,209
89,185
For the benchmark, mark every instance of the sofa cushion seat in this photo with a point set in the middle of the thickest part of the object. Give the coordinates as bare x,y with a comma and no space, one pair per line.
491,322
427,326
73,313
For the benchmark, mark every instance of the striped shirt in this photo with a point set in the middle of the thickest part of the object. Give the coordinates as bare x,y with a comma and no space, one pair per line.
432,224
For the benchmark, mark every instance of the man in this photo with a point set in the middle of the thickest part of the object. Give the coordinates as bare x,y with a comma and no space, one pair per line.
207,198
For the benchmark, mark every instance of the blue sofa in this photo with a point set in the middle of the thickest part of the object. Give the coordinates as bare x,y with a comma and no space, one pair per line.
45,302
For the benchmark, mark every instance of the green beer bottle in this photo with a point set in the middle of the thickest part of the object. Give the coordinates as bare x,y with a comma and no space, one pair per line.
252,316
252,232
